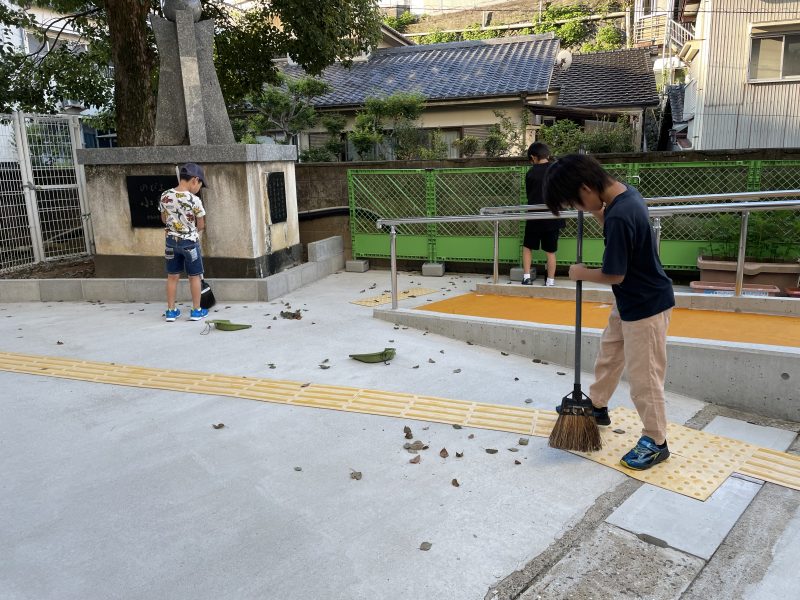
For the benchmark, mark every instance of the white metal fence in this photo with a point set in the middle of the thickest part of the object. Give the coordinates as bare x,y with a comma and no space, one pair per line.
43,210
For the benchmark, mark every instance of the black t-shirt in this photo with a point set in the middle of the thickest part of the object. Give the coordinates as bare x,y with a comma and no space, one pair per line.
631,251
533,190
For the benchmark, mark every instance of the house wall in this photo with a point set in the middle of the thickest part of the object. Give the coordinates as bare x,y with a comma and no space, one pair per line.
729,111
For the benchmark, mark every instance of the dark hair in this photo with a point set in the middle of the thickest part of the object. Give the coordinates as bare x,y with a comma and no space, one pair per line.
538,149
566,176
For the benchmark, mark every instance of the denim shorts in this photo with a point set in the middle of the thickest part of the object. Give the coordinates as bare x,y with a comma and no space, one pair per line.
183,254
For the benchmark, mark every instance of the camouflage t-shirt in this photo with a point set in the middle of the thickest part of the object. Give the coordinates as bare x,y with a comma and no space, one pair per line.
182,210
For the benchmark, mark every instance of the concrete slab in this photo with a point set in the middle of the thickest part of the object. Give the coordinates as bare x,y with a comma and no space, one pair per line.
323,249
66,290
758,559
766,437
20,290
681,522
433,269
197,512
357,266
600,567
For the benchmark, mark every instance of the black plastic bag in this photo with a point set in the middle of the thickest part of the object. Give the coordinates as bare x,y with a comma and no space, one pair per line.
207,299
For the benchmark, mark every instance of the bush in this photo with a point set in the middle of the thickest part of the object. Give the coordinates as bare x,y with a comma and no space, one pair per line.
467,146
316,155
608,38
567,137
402,22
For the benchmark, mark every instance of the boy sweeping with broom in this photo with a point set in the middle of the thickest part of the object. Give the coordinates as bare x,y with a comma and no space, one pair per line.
635,338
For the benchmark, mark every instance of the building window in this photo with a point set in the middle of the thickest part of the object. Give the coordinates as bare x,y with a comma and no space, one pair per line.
774,53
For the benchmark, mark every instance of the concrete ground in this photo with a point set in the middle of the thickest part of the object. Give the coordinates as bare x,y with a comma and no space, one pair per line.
116,492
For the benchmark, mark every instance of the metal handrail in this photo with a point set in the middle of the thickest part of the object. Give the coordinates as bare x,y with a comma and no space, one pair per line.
492,210
655,211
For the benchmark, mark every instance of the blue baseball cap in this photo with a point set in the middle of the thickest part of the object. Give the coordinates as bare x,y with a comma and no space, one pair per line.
194,170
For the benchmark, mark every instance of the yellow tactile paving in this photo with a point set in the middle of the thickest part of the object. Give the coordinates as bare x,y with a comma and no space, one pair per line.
387,298
700,461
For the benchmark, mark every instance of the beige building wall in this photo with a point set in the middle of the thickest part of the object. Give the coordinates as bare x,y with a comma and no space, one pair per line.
729,111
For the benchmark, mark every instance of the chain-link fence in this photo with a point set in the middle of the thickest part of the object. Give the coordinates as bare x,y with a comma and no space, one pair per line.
42,215
432,192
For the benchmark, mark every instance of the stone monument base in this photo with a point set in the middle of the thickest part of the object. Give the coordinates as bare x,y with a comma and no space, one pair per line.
252,228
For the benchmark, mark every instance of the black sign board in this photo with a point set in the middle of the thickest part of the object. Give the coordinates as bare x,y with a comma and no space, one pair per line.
144,193
276,192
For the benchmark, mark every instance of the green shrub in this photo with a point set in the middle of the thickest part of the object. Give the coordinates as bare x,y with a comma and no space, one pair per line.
467,146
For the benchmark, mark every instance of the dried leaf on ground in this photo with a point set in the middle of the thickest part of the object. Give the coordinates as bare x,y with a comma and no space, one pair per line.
513,449
415,460
516,462
471,436
415,367
324,366
296,315
504,353
218,425
443,453
355,475
491,450
528,400
425,546
456,370
455,483
459,455
305,385
457,426
523,441
430,360
619,431
560,373
418,445
298,468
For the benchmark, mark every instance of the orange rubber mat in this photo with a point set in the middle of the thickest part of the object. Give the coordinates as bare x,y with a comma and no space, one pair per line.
748,328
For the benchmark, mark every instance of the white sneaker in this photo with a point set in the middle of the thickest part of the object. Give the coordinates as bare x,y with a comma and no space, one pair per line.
549,282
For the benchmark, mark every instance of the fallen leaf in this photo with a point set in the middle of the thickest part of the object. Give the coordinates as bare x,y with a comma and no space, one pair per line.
528,400
218,425
457,426
441,351
443,453
417,445
305,385
355,475
324,366
516,462
459,455
523,441
470,344
470,436
619,431
59,343
271,365
456,370
298,468
406,429
409,436
415,460
391,341
406,445
325,361
560,373
513,449
537,360
516,378
430,360
425,546
455,483
415,367
491,450
504,353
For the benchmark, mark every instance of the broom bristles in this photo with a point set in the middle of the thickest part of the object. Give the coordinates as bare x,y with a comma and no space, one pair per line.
576,432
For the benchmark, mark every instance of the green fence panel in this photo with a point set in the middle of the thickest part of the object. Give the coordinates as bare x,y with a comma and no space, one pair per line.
397,193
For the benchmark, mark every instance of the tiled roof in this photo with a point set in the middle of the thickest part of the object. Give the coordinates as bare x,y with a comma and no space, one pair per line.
675,94
474,69
608,79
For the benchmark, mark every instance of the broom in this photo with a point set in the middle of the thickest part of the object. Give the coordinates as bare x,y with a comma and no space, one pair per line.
576,428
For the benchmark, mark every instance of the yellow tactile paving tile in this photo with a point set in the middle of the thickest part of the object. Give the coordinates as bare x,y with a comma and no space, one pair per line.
690,323
700,461
387,298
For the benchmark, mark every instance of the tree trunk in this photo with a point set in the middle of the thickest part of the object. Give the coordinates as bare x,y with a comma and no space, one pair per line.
133,69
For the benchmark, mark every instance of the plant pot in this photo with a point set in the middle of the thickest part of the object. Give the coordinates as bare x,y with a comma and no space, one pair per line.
782,275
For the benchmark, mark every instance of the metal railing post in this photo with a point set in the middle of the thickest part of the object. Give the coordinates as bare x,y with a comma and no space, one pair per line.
496,268
657,231
393,251
742,253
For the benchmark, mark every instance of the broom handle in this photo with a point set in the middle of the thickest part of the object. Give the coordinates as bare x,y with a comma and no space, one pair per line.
578,302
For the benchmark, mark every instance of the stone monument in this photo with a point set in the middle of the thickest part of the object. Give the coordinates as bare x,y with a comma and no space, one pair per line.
251,203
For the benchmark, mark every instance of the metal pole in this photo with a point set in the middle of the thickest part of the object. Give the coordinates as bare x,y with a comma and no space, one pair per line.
657,231
496,271
393,251
742,253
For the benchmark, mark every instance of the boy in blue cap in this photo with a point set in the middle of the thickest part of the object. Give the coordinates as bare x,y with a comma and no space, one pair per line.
183,216
635,338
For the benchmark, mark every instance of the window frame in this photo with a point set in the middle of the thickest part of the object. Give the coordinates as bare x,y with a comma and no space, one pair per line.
772,31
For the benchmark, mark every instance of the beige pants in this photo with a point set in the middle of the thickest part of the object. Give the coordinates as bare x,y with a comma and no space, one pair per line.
639,347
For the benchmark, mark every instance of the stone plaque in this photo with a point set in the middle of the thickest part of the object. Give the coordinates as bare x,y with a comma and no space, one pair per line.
276,192
144,193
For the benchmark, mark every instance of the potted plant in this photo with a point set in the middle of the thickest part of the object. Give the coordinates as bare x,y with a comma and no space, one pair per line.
772,250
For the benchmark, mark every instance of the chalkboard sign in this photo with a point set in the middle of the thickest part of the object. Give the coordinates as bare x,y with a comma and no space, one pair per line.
144,193
276,192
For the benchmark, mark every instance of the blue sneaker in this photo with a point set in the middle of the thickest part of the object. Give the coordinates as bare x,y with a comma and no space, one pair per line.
171,314
645,454
198,313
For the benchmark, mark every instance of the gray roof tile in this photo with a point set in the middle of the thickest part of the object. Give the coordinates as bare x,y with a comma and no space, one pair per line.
607,79
482,68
